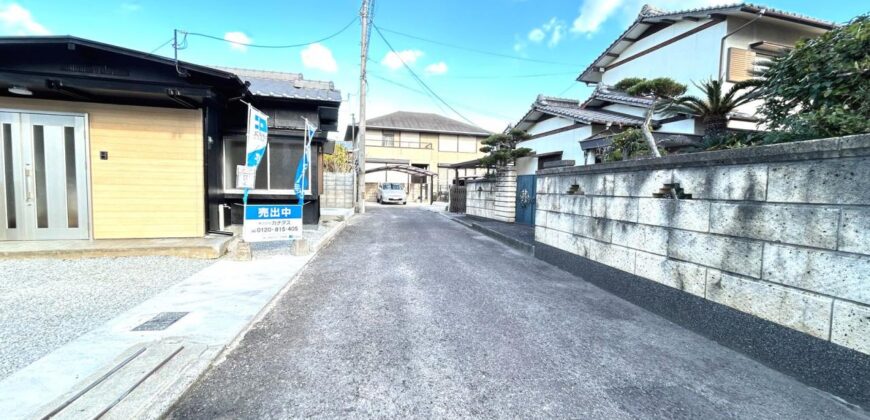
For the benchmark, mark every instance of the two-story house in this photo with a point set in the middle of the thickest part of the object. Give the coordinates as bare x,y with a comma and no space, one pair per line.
689,46
419,140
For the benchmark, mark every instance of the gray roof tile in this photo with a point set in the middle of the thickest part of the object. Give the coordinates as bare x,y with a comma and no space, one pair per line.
273,84
573,109
421,121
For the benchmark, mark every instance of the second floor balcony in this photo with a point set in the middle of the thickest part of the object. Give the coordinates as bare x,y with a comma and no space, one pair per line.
399,144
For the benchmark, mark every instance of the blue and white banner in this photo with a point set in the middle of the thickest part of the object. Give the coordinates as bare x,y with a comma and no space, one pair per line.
257,138
302,181
272,223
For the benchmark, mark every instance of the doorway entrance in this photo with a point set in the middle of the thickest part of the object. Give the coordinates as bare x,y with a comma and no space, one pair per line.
43,177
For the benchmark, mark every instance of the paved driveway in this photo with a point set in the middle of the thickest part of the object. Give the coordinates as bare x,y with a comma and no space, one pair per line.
409,314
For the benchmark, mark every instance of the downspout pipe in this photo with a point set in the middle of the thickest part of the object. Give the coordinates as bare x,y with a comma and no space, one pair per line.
722,43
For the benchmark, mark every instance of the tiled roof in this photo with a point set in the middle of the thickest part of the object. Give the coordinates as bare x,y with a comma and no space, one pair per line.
651,12
649,15
590,116
572,108
274,84
421,121
606,93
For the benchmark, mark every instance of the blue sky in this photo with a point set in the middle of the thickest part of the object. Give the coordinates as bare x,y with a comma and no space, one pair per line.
491,91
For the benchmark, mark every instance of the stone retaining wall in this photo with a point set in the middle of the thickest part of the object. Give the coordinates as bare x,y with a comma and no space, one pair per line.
493,199
337,190
781,232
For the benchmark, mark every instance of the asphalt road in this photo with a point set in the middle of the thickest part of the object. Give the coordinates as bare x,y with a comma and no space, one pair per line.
408,314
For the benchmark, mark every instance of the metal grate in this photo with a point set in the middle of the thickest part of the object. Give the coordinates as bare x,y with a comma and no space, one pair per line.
160,321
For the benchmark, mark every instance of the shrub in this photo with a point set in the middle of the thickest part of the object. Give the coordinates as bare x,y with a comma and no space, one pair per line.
821,88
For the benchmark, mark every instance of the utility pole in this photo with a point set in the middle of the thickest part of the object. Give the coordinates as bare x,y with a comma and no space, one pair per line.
361,134
354,146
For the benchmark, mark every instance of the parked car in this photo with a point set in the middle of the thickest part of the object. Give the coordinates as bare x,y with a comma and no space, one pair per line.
391,193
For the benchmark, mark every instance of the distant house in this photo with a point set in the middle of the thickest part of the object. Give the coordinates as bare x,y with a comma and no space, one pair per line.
429,142
103,142
727,42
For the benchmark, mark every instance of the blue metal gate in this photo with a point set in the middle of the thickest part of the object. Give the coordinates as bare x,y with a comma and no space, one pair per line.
526,190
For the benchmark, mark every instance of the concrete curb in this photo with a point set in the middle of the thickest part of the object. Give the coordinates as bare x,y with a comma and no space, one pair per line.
507,240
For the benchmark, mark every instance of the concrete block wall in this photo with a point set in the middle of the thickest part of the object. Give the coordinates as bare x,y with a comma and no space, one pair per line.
495,198
781,232
337,190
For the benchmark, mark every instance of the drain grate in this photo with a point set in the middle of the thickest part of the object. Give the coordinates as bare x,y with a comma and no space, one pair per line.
160,321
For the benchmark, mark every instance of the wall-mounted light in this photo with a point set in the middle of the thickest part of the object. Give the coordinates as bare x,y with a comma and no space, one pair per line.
19,90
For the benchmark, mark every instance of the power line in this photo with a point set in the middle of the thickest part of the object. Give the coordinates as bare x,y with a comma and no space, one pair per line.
393,82
419,80
479,51
406,87
567,88
162,45
339,32
513,76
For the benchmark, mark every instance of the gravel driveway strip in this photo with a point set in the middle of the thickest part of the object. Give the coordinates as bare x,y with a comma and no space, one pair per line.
46,303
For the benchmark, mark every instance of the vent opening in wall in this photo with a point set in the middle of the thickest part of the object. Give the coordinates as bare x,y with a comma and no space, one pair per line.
575,189
672,191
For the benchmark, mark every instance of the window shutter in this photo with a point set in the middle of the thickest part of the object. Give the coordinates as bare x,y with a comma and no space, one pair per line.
740,64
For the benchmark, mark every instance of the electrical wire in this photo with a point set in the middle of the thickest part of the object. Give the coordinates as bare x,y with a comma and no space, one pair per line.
406,87
339,32
479,51
567,88
459,105
161,46
419,80
512,76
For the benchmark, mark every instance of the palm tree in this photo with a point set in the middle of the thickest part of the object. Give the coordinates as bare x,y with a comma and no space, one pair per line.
714,109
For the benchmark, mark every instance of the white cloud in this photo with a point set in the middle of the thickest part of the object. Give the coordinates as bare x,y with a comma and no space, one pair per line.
131,7
554,29
537,35
16,20
437,68
593,13
394,60
237,39
316,56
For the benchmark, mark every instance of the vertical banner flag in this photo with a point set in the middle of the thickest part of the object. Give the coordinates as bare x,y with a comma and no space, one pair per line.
258,134
301,184
263,222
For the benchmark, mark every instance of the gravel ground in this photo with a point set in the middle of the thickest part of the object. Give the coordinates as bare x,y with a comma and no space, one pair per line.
46,303
410,315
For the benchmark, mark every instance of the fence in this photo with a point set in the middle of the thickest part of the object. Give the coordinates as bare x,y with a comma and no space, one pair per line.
337,190
457,198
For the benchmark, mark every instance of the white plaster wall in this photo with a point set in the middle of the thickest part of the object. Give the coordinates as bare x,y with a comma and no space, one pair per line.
684,127
566,142
693,58
527,165
626,109
551,124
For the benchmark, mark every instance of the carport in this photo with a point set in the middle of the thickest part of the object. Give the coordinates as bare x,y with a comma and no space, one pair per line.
410,170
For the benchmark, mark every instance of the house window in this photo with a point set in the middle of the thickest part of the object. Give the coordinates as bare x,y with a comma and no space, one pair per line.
467,145
277,170
389,139
741,64
447,143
